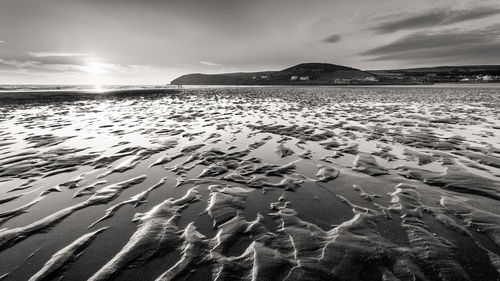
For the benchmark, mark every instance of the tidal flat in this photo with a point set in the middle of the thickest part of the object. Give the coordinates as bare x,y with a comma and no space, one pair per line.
251,183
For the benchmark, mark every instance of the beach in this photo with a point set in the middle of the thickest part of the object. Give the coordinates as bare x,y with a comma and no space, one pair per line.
251,183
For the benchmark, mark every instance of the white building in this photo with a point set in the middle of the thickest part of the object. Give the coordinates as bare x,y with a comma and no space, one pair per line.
485,77
370,79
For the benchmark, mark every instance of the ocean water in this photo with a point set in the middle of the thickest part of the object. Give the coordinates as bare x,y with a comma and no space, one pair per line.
250,183
91,88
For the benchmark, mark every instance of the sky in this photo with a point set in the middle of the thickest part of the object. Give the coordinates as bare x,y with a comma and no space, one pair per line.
130,42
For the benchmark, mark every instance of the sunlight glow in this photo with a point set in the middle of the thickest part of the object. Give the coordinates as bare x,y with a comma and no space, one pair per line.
95,67
99,88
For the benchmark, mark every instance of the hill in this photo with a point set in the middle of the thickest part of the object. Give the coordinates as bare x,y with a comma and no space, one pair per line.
332,74
301,74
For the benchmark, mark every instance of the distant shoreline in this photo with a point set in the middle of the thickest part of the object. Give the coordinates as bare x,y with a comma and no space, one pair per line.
140,90
338,85
111,88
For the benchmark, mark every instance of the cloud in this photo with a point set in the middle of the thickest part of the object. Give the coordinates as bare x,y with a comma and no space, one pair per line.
332,39
60,66
37,66
18,64
209,63
58,54
423,40
468,45
472,54
433,18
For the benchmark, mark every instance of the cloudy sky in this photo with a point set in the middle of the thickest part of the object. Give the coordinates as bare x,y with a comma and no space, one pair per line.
154,41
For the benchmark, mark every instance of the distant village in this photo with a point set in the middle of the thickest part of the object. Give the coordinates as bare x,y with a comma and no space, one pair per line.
428,78
297,78
435,77
479,78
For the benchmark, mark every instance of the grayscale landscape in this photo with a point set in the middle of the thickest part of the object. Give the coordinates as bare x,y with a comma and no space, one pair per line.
249,140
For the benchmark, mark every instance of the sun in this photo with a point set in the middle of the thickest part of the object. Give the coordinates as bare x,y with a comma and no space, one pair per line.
95,67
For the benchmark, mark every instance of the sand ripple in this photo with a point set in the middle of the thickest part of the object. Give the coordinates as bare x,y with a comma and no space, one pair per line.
251,184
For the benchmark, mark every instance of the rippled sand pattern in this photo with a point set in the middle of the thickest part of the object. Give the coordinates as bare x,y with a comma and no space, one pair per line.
251,184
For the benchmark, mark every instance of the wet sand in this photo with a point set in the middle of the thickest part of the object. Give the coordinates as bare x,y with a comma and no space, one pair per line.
306,183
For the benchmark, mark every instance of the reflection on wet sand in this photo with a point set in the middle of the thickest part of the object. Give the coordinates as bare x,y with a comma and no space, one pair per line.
251,184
